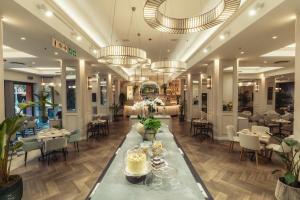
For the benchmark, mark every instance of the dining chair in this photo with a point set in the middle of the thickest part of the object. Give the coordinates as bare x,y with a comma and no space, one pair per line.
105,125
54,145
30,144
232,136
250,142
31,125
55,123
260,129
280,148
74,138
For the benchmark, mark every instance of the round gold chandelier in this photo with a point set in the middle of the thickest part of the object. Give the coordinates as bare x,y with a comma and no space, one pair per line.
157,20
117,55
169,66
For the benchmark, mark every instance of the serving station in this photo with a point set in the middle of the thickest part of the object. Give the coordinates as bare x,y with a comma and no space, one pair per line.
177,180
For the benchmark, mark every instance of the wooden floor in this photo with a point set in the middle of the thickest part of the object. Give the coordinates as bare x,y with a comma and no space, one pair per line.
224,175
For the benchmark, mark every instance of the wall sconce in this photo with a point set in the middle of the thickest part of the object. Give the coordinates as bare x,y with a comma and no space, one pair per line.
256,87
90,83
184,87
113,88
277,89
208,85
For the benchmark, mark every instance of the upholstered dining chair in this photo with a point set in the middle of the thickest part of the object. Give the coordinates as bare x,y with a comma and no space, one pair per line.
280,148
74,138
30,144
54,145
232,136
31,125
250,142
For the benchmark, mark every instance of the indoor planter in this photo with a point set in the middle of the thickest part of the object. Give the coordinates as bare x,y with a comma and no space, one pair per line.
288,186
181,114
11,186
42,102
151,126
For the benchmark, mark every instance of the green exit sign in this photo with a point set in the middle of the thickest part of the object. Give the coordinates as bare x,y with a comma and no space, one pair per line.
72,52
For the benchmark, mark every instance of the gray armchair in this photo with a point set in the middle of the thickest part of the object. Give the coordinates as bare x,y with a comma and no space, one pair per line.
30,144
53,145
74,138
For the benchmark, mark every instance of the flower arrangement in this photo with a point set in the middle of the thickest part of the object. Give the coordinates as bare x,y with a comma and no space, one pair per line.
150,104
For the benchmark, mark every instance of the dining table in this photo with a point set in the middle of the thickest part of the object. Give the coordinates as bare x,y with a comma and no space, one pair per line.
52,133
195,122
281,122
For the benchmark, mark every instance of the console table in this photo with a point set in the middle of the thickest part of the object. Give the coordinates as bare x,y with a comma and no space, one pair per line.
113,185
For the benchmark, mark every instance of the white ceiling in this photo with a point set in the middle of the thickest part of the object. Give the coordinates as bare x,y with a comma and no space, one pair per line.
94,17
257,40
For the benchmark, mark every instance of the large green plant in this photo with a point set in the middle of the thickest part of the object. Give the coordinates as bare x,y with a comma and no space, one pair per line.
8,128
291,161
43,102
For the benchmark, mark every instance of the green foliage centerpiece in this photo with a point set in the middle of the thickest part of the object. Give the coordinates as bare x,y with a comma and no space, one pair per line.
148,127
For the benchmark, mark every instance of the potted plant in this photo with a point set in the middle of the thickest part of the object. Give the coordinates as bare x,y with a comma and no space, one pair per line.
181,114
164,87
11,186
115,109
43,102
151,127
288,186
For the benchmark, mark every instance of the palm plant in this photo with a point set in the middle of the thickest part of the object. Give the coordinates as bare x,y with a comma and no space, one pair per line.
43,102
8,128
291,161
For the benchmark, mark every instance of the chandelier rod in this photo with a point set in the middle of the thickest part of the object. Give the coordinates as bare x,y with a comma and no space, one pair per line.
113,22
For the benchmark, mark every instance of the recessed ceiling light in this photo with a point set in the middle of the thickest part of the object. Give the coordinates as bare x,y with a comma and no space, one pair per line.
205,64
49,13
78,38
205,50
274,37
23,38
55,53
252,12
95,51
222,37
242,52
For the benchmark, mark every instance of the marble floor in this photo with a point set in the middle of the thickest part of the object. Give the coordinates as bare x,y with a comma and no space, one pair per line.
225,176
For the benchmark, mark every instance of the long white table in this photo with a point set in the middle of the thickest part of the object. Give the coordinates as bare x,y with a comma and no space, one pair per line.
112,184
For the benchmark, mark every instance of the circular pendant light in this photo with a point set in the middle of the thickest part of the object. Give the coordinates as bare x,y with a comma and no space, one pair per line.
119,55
169,66
164,23
123,56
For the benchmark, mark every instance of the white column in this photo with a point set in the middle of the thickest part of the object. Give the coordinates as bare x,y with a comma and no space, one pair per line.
200,93
217,97
235,97
297,80
118,91
109,95
82,96
189,97
63,92
2,103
